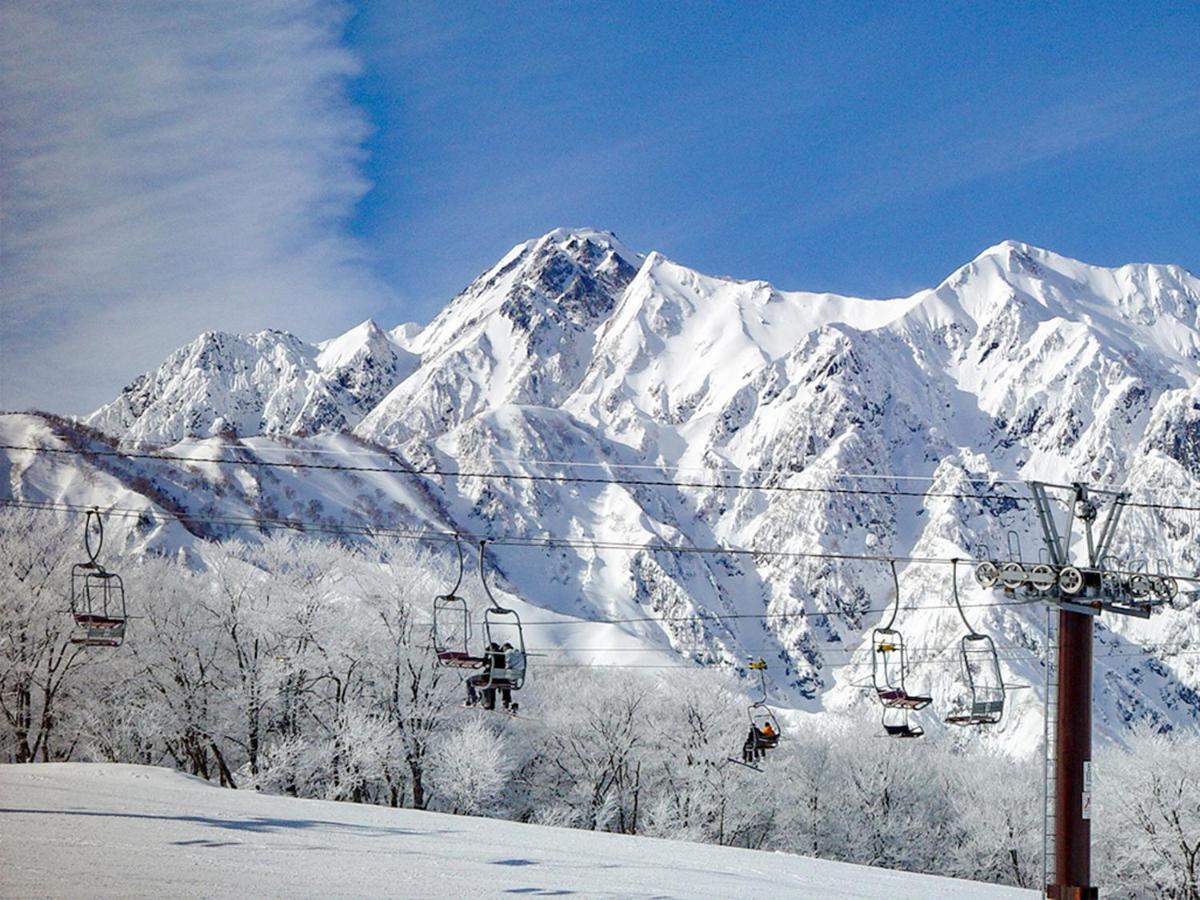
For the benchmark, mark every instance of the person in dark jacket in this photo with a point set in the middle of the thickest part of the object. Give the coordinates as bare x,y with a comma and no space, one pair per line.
509,672
493,658
751,750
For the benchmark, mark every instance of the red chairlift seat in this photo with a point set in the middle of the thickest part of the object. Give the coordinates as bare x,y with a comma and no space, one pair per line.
457,659
899,699
88,620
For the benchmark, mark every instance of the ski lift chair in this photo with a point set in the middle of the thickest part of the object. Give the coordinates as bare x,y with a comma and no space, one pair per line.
981,702
451,630
889,671
97,595
761,715
502,627
981,698
898,723
764,733
889,662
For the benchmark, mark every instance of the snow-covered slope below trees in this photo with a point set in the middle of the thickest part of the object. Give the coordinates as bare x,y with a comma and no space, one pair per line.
98,830
779,420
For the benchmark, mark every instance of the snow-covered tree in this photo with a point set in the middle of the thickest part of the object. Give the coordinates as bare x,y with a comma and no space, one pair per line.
1149,812
471,768
37,659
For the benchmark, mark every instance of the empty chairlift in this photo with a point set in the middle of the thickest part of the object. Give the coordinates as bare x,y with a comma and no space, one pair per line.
980,697
889,674
97,595
452,624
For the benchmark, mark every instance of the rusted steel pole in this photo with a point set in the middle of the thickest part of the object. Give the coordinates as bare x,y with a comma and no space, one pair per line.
1072,802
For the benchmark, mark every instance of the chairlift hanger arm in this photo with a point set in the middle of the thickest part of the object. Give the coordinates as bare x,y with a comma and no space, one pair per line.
461,564
93,554
483,579
760,665
971,632
1108,530
1056,542
896,605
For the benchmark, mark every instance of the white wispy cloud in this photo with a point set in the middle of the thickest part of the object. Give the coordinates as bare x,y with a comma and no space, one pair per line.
167,168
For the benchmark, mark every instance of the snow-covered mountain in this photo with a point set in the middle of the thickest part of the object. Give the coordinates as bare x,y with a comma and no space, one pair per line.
576,356
265,383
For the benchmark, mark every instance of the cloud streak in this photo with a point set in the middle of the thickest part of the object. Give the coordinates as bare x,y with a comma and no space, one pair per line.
165,169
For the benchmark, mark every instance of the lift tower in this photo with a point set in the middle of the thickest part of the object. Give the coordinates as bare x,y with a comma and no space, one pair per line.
1076,593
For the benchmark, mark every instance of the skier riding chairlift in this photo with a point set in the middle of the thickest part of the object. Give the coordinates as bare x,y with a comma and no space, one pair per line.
759,741
492,659
764,730
504,664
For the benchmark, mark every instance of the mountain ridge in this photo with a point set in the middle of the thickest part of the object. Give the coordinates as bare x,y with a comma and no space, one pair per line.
567,359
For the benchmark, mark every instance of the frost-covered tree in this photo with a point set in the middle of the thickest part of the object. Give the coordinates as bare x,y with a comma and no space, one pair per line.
997,808
402,677
587,759
37,659
1149,810
471,768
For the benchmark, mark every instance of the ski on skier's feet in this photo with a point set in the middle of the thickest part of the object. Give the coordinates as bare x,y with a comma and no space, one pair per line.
742,762
510,711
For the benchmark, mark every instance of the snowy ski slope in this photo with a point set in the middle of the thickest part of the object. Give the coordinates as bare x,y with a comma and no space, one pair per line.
74,829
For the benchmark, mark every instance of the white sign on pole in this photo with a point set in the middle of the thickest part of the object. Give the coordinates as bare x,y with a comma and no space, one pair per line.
1087,804
1087,776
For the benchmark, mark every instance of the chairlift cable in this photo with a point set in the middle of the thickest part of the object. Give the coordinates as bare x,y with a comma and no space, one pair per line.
512,476
564,479
421,535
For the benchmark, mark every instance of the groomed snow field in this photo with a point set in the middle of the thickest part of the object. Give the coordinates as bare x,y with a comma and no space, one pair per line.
99,830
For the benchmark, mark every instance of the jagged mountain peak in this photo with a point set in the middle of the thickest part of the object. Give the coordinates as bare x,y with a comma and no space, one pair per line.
366,337
522,332
559,269
267,382
406,334
590,243
1130,309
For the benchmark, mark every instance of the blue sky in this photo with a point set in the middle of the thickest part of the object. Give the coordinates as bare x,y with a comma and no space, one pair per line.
866,149
304,164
